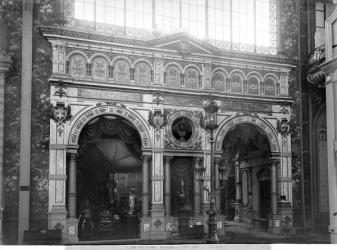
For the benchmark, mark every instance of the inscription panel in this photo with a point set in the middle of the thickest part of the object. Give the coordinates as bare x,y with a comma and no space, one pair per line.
110,95
182,101
246,106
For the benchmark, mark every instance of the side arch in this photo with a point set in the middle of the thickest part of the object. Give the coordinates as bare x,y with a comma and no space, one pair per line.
93,112
265,126
100,55
74,52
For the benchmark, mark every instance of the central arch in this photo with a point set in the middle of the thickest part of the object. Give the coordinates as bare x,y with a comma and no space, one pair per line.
263,125
113,109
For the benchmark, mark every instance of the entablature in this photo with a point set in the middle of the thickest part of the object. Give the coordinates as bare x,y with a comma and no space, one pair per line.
187,65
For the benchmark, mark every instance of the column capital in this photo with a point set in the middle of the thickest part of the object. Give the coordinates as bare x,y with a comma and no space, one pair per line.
168,158
73,156
197,160
275,161
146,158
217,160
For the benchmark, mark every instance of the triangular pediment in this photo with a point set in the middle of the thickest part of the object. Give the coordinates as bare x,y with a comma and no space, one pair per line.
183,43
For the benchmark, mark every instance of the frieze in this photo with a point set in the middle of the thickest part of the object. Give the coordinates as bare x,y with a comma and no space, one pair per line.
252,107
182,101
110,95
152,43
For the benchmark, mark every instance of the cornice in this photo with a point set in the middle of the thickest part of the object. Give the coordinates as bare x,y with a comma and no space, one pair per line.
95,38
206,94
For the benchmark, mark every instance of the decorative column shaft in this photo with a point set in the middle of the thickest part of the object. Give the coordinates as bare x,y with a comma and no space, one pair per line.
26,118
4,65
237,182
274,187
145,187
167,185
72,186
196,188
217,185
250,193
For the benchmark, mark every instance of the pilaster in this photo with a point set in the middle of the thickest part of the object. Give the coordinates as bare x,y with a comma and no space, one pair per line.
25,128
5,62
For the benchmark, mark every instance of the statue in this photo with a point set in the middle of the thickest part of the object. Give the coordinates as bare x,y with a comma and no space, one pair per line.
132,201
181,196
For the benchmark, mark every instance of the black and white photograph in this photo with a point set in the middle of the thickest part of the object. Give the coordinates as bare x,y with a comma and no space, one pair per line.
191,124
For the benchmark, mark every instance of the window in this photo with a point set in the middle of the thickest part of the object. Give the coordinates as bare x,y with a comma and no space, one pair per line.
244,25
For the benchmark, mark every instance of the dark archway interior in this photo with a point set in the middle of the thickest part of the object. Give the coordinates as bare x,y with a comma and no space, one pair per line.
248,142
109,179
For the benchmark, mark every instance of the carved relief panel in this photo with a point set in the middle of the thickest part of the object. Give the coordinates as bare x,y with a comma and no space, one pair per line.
191,78
100,69
77,66
253,86
219,81
173,77
121,71
269,87
236,85
142,73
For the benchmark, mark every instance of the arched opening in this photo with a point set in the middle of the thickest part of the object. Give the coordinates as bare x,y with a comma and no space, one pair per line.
246,193
109,179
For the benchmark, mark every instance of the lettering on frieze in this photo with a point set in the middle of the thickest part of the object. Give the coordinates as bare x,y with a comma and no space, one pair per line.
184,101
111,95
245,106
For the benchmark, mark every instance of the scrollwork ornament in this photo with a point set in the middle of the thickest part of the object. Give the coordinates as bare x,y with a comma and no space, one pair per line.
60,89
157,99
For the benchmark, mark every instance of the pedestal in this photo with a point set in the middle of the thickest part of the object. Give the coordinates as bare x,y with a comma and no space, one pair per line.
274,224
237,207
72,231
57,219
157,226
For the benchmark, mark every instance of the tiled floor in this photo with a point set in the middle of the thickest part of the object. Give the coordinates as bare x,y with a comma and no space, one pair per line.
236,233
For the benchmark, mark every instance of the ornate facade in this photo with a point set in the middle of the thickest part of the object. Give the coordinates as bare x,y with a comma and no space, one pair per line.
154,85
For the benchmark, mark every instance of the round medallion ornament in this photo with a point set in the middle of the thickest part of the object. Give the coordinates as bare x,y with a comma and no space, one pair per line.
182,129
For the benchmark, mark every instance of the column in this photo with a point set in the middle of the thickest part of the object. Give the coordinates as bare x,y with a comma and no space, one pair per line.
237,182
237,203
25,130
145,187
250,186
167,185
331,112
196,188
72,186
4,65
274,187
217,185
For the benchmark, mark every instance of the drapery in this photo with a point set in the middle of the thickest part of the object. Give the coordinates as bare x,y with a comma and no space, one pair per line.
111,126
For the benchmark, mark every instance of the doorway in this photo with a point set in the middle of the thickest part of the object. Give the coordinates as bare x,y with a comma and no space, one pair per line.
265,198
109,180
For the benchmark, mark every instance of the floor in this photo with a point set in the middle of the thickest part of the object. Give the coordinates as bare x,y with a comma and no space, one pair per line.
236,233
